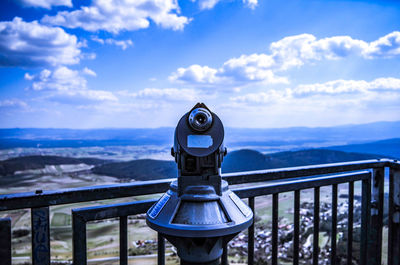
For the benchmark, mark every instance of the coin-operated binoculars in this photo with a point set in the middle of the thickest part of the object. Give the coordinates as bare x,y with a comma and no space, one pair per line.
199,215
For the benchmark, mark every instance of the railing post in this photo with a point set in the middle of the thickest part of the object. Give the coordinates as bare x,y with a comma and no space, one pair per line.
334,223
250,231
296,228
394,217
350,224
375,228
224,257
5,241
316,225
275,214
365,215
79,251
123,240
40,222
161,249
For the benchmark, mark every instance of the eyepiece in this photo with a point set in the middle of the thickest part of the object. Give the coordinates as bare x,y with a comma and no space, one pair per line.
200,119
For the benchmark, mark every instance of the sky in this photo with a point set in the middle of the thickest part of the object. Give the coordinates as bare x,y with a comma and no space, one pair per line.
144,63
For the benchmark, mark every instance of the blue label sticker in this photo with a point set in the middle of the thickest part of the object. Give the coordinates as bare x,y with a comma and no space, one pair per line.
199,141
156,209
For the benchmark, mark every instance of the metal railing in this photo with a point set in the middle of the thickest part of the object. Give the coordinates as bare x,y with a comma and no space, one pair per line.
371,174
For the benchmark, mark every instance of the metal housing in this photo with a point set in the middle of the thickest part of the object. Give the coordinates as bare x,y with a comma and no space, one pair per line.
199,214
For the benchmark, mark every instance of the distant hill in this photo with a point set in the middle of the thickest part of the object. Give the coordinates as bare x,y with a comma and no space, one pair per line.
142,169
390,147
51,138
352,133
244,160
305,137
9,166
149,169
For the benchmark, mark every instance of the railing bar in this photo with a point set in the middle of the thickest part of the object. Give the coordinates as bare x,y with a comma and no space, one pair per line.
299,183
79,249
296,232
123,240
275,212
40,223
5,241
75,195
316,226
350,224
160,249
365,204
224,257
310,170
114,210
334,223
250,231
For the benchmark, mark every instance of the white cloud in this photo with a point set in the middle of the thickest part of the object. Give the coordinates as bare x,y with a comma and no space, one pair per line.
196,74
68,86
97,39
289,52
82,97
123,44
349,86
267,97
165,94
387,46
251,3
322,104
88,71
13,103
251,68
236,72
297,50
336,92
117,15
44,3
209,4
31,44
62,78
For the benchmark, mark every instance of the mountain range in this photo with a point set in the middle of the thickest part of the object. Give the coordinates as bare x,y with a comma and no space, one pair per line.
388,147
149,169
298,137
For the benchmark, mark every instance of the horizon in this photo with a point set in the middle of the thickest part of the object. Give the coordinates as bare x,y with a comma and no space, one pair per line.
256,63
172,127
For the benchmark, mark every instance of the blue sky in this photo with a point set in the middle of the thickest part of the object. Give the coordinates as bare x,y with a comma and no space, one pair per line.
143,63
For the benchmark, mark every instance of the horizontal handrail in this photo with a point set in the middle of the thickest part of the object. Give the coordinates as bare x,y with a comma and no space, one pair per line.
101,212
308,170
41,198
112,211
84,194
300,184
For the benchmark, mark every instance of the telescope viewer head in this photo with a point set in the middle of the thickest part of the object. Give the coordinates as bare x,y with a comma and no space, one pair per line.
200,119
199,133
198,146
